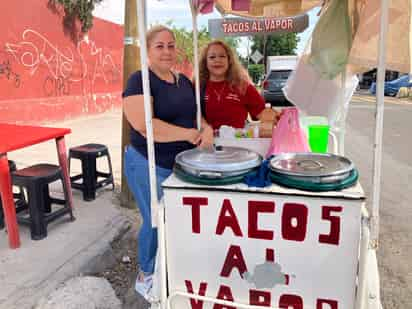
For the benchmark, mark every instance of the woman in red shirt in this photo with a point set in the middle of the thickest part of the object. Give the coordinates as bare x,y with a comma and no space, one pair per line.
227,93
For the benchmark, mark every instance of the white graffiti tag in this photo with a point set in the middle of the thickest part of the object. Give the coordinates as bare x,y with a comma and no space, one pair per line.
85,61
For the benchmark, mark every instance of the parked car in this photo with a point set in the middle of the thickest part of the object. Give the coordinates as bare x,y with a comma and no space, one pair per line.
278,69
272,87
392,87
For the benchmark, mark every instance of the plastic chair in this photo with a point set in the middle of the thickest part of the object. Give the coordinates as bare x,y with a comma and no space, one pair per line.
88,155
19,198
36,180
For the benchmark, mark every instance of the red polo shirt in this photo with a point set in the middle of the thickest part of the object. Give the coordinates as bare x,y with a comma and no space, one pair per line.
225,105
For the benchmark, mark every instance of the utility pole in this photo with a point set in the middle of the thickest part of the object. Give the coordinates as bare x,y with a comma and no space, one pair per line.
131,63
265,40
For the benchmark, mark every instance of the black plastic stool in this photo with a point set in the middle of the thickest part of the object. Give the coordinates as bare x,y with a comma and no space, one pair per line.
88,155
36,180
19,199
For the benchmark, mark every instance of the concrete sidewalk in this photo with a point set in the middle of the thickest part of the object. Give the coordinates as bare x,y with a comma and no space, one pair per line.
38,267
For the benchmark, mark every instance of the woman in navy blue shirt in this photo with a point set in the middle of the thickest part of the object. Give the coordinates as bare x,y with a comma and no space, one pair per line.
174,128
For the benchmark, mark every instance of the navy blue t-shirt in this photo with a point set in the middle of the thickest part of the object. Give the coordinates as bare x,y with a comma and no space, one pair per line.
173,103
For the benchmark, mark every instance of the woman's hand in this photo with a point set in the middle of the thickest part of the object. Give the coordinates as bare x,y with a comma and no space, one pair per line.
277,117
193,136
206,137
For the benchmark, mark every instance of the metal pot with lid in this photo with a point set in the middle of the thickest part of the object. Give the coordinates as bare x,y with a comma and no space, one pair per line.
313,171
216,163
311,164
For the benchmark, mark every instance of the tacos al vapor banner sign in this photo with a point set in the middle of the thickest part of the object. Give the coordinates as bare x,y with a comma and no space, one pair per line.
245,27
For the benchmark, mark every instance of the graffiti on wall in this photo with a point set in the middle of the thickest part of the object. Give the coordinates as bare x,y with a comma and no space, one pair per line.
7,72
62,70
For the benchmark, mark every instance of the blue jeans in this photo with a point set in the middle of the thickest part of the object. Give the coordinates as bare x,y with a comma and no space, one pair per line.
137,175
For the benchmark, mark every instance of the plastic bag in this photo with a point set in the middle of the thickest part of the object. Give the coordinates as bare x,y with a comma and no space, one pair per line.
313,95
287,135
332,40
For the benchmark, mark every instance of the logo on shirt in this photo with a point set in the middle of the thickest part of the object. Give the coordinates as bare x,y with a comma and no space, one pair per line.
233,96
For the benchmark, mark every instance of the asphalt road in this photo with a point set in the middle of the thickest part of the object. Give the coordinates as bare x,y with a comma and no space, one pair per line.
395,251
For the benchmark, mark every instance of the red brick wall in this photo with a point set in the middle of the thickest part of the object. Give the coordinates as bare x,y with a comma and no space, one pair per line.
45,76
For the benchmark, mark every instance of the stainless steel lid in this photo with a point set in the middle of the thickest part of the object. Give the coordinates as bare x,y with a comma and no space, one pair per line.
310,164
219,159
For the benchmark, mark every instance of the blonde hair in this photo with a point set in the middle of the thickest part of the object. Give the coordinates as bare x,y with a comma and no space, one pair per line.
155,30
236,75
150,36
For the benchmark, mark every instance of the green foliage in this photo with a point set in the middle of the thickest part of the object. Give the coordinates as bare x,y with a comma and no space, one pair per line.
276,45
233,42
184,40
74,10
256,72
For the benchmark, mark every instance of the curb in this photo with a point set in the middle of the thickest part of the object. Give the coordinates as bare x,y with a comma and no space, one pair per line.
78,263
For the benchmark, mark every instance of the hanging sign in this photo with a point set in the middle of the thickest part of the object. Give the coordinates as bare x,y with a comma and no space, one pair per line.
256,56
245,27
262,249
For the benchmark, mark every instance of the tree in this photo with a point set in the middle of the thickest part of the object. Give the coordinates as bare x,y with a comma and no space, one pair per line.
276,45
74,12
184,40
256,72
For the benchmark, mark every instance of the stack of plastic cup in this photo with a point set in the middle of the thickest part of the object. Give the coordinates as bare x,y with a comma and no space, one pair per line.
317,129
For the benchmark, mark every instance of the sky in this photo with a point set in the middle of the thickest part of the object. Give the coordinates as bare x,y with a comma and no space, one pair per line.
178,11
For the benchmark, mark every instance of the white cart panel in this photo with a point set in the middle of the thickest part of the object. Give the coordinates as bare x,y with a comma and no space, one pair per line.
267,249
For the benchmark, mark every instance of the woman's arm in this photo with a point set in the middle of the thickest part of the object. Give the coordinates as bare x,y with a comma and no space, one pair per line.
133,107
256,104
276,115
206,136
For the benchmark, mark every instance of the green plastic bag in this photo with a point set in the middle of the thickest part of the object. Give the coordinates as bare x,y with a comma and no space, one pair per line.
332,40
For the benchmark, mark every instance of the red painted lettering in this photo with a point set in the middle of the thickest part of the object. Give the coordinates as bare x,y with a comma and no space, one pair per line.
224,25
241,27
234,259
273,25
254,208
267,24
227,218
290,302
259,298
290,24
332,304
334,235
270,255
287,279
294,221
254,26
195,203
226,294
196,304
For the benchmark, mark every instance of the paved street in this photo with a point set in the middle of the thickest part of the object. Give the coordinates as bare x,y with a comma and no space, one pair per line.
395,251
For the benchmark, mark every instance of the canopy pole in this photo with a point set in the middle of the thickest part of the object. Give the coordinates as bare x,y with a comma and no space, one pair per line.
148,110
380,101
196,62
342,120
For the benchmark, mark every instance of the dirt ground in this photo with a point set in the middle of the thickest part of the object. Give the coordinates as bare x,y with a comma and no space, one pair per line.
121,267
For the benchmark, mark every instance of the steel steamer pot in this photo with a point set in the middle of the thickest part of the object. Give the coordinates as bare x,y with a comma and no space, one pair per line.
313,171
216,166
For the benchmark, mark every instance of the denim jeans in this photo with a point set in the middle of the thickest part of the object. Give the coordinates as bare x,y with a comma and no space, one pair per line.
137,175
